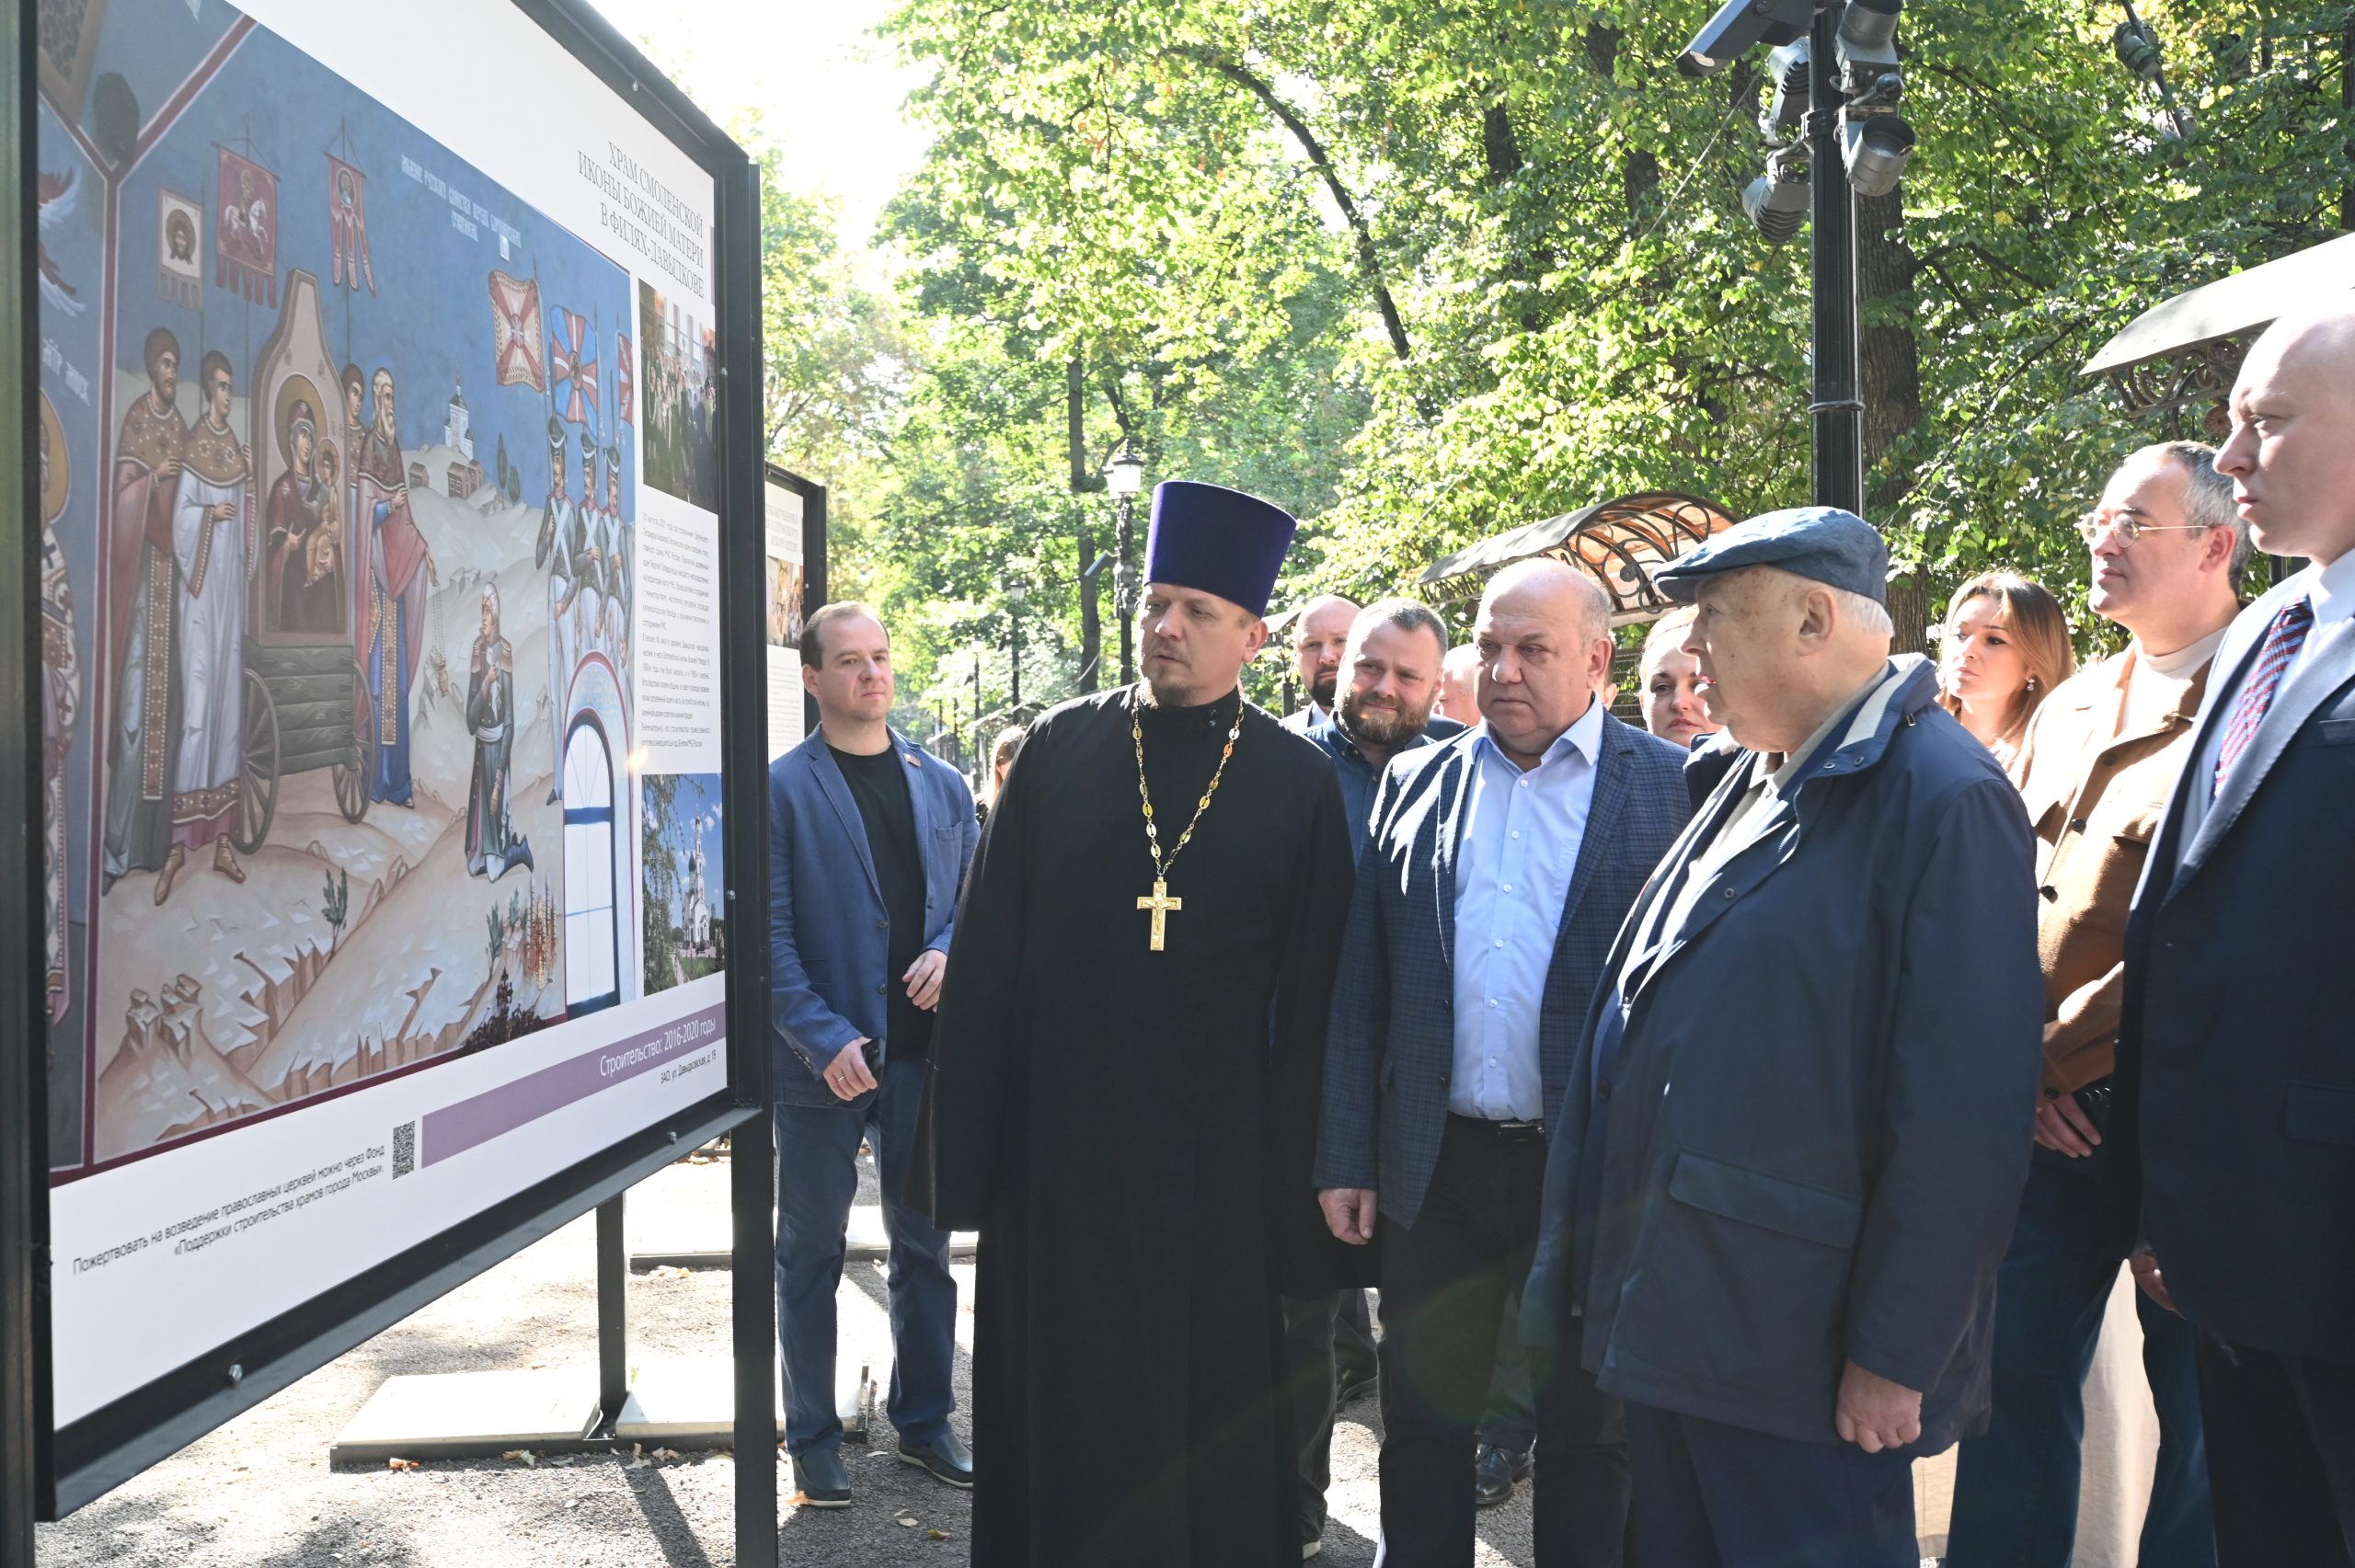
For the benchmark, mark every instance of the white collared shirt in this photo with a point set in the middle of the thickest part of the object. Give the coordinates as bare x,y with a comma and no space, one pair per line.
1519,836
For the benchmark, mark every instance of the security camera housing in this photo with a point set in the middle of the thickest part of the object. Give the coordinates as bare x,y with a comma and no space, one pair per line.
1741,26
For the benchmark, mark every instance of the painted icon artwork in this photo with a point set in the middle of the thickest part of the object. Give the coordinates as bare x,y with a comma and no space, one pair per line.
339,500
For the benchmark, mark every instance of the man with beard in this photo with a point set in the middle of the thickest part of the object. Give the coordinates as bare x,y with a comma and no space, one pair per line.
1132,1021
1318,639
1391,662
143,623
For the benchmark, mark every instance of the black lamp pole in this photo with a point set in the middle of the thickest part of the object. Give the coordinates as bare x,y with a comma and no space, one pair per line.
1838,406
1124,589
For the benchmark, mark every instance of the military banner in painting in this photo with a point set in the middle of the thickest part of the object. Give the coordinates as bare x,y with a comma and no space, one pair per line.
344,652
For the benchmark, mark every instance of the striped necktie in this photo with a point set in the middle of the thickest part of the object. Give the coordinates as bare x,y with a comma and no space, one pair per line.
2282,641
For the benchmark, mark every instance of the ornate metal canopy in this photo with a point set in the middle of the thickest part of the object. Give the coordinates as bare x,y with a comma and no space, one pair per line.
2182,354
1620,543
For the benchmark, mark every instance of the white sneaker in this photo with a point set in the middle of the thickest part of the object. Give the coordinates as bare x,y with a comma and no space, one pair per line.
1309,1548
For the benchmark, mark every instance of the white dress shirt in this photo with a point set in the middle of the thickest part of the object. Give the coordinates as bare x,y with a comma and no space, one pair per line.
1518,845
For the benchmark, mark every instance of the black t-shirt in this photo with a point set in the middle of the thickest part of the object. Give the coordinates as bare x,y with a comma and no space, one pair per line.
880,784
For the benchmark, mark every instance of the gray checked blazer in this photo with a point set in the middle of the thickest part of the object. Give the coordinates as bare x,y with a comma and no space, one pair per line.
1391,1050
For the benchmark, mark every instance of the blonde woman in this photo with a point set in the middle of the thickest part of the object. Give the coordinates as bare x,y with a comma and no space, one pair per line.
2004,647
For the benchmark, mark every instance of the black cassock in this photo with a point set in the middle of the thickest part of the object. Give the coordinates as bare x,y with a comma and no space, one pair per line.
1131,1131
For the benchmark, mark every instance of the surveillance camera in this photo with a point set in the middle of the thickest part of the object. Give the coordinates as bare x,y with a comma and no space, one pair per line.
1875,147
1741,26
1868,44
1776,201
1787,70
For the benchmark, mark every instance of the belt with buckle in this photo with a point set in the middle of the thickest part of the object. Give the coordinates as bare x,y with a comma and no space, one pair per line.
1509,1132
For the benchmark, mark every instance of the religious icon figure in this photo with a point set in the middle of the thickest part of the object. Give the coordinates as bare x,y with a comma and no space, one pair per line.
305,522
60,701
395,574
213,546
142,625
492,844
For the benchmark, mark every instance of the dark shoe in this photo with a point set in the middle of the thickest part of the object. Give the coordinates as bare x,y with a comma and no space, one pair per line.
820,1480
1350,1381
948,1460
1494,1470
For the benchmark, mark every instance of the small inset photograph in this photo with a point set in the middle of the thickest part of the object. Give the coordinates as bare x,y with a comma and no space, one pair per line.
784,603
677,378
679,847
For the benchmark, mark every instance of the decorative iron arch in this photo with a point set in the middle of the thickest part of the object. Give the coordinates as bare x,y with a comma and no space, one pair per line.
1619,542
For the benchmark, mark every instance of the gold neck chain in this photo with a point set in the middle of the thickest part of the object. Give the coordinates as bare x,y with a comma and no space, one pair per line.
1144,796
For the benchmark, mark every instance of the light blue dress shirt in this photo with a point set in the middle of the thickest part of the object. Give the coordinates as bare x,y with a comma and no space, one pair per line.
1521,833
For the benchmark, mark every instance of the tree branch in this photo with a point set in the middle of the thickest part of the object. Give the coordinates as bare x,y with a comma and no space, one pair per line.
1369,259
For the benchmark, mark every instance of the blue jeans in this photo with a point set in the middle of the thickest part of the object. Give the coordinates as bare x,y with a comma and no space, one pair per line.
2015,1487
817,1177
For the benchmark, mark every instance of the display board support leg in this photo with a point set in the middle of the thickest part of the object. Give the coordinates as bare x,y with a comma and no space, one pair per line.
613,1310
752,1174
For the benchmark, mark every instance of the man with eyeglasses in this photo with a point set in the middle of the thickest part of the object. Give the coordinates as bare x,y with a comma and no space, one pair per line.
2095,768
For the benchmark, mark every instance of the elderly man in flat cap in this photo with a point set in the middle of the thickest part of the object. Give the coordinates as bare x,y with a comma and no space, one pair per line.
1798,1124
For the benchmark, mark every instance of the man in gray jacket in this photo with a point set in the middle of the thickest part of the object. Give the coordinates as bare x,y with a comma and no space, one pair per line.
1800,1120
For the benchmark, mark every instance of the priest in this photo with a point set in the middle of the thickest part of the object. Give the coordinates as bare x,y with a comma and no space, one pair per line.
1124,1074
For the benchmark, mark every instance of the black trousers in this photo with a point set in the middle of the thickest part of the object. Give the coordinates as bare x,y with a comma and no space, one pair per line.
1444,1280
2280,1456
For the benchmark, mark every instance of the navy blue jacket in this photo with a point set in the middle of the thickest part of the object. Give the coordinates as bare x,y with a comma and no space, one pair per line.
829,936
2237,1043
1814,1132
1390,1053
1359,777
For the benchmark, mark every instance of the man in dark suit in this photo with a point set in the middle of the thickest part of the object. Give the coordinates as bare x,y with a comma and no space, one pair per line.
1500,865
2236,1055
869,836
1389,678
1795,1139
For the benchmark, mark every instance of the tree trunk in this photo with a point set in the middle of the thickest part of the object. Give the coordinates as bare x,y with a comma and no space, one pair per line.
1890,359
1091,624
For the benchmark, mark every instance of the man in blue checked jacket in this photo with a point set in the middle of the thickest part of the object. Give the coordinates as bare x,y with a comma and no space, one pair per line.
1500,865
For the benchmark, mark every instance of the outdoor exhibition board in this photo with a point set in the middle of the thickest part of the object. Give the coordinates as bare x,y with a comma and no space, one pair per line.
385,808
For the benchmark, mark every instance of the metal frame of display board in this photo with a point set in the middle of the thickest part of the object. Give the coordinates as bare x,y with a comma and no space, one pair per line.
46,1473
813,558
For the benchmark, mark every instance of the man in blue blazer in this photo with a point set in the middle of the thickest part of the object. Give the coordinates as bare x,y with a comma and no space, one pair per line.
2236,1048
1500,864
868,840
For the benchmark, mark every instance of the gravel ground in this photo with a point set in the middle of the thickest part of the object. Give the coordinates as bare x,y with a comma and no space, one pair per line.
257,1493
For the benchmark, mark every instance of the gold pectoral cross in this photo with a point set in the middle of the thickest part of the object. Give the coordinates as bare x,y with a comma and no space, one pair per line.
1163,905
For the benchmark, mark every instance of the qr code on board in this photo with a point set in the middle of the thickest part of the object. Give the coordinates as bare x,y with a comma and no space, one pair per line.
404,1149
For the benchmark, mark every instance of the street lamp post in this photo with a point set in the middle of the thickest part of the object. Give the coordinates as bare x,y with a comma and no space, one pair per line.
1124,477
1013,598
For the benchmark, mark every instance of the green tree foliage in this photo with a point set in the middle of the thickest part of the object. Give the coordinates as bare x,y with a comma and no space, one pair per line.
1425,271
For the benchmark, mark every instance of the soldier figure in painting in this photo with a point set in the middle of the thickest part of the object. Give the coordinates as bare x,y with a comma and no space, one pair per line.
143,623
213,544
399,567
492,843
616,548
555,553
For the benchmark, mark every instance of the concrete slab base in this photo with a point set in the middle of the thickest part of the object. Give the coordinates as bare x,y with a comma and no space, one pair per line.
692,1404
457,1415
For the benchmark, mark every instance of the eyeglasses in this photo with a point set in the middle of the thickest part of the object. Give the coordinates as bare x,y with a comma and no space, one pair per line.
2090,527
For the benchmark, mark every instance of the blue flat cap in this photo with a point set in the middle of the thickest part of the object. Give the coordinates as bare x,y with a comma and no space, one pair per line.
1825,544
1216,540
